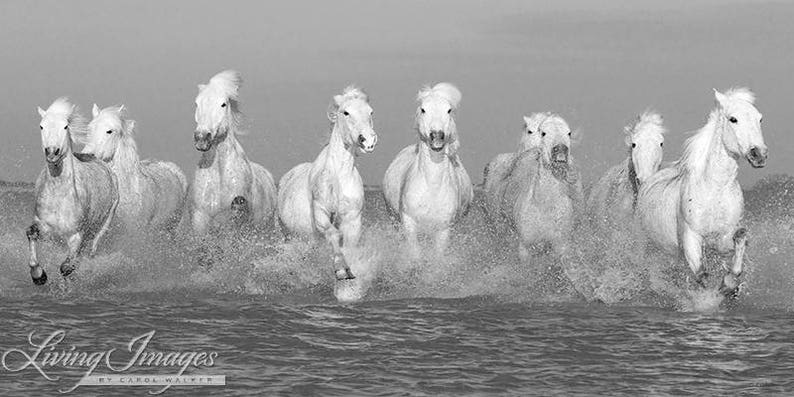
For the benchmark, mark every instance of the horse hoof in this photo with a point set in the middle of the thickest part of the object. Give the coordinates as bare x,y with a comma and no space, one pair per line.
41,279
344,274
731,287
739,235
67,269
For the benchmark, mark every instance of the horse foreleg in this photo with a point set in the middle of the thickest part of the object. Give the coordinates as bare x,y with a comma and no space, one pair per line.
37,273
730,282
692,244
73,243
104,228
411,233
200,222
322,221
441,241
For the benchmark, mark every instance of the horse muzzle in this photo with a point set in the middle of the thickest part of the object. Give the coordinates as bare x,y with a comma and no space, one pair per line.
367,145
757,157
559,154
53,155
437,141
202,141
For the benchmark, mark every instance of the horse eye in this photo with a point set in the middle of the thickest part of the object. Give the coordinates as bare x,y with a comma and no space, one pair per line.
422,109
449,111
633,145
733,120
542,134
66,127
346,113
569,134
109,131
529,131
41,127
661,144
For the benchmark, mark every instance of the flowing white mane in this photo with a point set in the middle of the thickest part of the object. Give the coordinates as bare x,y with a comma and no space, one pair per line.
227,83
352,92
447,91
696,147
78,125
649,122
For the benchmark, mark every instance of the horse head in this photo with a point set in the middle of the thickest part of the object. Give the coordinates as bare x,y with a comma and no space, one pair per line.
435,119
741,125
57,124
351,116
645,139
555,138
107,129
216,109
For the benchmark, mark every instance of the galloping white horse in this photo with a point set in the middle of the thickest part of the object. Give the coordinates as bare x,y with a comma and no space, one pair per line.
426,185
698,201
76,196
611,203
499,167
326,197
541,192
152,193
224,171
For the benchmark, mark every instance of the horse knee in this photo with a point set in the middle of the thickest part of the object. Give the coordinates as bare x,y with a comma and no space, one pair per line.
33,232
740,236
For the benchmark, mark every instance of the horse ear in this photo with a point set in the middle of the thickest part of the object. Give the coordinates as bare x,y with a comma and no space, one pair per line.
332,112
121,108
129,125
41,111
720,97
95,111
628,140
526,122
201,87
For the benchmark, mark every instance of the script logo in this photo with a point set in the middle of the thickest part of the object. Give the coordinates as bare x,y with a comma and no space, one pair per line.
123,366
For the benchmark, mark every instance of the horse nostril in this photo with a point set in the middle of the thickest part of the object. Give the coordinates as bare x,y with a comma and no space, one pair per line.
437,135
57,151
361,139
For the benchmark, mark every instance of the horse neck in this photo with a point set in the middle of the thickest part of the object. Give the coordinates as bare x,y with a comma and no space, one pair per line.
716,165
220,153
340,157
429,164
126,161
631,175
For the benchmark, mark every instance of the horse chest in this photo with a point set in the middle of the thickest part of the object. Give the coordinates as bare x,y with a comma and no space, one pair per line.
59,209
431,202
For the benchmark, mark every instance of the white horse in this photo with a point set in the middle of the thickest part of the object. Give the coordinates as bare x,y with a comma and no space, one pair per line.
326,197
541,192
499,167
152,193
224,171
613,198
697,202
426,185
76,196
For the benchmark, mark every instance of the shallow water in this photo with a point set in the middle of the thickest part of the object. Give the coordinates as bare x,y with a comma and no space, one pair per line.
471,323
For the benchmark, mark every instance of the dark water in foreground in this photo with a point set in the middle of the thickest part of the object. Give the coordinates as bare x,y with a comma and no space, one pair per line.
472,323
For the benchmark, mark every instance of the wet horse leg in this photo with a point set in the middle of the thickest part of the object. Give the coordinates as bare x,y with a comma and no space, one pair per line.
74,243
731,286
105,227
324,225
350,227
692,244
441,241
37,273
411,236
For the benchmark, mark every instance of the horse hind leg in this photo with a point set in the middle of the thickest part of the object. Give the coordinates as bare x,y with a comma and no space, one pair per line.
37,273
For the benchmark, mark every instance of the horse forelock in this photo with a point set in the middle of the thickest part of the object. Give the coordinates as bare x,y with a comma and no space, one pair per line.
446,91
741,93
227,83
649,122
352,92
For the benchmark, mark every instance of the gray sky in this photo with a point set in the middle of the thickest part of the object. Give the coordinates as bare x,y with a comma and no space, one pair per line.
598,65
